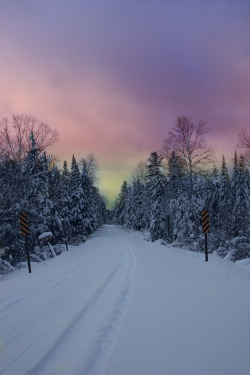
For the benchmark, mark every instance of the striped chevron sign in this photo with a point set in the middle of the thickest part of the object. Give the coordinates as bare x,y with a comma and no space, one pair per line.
205,221
24,223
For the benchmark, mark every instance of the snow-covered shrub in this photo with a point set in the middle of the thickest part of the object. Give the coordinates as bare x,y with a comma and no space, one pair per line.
5,267
222,251
239,248
42,252
21,265
35,258
59,248
235,249
77,240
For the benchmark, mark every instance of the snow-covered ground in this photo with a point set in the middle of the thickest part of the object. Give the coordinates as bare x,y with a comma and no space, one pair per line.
118,305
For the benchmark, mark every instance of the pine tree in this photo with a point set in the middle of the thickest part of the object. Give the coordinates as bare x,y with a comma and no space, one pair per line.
181,217
75,179
65,175
121,204
139,218
210,195
175,175
225,203
76,201
196,205
11,195
129,207
156,189
57,194
89,203
35,200
241,201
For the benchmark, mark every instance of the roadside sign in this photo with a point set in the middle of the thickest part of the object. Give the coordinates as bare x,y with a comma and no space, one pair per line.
205,221
25,231
24,223
205,229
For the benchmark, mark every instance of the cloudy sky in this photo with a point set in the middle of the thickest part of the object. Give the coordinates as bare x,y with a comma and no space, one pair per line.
112,76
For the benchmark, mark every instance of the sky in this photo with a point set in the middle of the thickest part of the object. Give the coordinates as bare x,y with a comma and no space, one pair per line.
112,76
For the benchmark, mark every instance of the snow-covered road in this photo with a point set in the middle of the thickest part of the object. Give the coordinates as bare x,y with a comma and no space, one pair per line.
118,305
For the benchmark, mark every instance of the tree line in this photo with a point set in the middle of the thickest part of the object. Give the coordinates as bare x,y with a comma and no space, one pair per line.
169,191
31,181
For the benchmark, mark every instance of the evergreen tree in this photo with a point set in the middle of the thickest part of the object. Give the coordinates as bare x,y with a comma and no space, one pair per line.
76,201
11,195
181,217
129,207
210,195
139,217
35,200
57,194
65,175
156,189
75,179
64,210
241,201
89,203
175,175
225,203
196,205
121,204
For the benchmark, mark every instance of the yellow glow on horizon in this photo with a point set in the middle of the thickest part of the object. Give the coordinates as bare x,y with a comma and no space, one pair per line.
111,182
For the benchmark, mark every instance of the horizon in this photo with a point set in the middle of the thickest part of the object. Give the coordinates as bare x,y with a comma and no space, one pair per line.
128,177
112,78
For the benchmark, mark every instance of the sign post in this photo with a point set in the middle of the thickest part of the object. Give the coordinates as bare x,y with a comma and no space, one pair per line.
64,233
25,231
168,225
205,229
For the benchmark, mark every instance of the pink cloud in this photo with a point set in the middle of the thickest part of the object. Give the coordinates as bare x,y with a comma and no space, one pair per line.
113,78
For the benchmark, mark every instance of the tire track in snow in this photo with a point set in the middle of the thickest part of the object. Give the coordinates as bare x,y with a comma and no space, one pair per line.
95,348
52,351
103,344
35,294
102,284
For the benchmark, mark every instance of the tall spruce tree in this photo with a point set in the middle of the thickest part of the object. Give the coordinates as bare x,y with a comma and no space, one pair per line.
89,202
36,200
76,203
225,203
121,204
156,188
175,175
139,219
241,202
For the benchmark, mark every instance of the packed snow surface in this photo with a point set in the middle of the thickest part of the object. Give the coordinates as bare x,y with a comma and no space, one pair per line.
118,305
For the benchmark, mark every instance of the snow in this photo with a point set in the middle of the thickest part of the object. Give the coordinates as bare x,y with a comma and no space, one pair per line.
45,235
118,305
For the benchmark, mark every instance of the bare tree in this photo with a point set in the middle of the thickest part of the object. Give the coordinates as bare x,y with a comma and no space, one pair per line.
92,167
187,140
244,143
140,172
15,136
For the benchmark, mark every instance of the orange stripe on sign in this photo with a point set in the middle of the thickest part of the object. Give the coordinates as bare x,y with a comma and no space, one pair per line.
23,215
205,227
24,229
205,220
205,214
25,224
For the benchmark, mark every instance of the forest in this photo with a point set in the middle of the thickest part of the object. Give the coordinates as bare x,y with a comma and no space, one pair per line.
55,199
164,198
171,188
